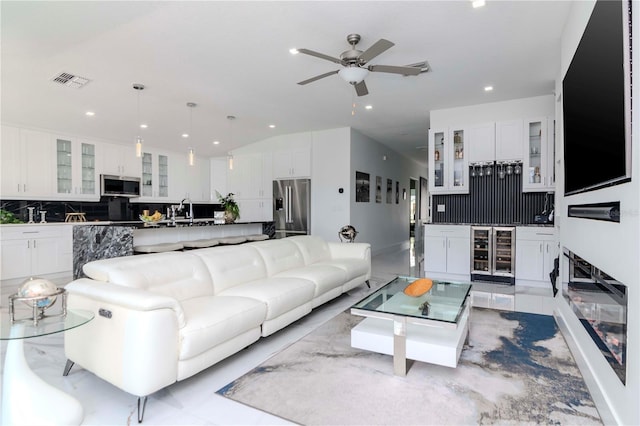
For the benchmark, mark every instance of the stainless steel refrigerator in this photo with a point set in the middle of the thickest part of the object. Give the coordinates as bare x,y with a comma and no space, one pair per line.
291,207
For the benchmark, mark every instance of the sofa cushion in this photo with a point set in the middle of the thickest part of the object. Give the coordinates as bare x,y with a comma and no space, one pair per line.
231,265
353,267
173,274
325,277
214,320
281,295
314,249
279,255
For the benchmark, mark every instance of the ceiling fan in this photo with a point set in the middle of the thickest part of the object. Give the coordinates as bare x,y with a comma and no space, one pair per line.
355,67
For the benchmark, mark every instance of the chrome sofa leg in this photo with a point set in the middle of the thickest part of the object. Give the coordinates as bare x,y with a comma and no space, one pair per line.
367,283
141,411
67,367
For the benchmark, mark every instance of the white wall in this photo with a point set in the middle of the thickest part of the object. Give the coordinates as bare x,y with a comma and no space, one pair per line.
384,226
330,171
539,106
612,247
336,154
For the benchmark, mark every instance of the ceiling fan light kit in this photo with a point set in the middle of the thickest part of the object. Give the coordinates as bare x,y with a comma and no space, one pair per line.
353,74
354,62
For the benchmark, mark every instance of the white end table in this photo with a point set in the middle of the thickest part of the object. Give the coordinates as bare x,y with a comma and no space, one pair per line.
26,398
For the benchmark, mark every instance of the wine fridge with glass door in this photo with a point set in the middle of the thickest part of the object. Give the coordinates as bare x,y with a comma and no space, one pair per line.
493,254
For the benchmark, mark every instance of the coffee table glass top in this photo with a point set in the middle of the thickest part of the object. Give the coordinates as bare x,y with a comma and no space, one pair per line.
444,302
24,328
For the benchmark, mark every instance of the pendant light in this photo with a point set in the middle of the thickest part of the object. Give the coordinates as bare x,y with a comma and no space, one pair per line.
191,152
230,156
138,88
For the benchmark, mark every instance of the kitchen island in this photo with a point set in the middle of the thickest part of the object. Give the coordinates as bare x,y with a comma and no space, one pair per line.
102,240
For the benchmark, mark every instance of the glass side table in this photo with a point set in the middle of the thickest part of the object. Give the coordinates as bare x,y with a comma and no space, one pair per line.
26,398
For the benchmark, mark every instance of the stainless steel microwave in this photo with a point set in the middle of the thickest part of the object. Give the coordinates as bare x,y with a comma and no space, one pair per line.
119,186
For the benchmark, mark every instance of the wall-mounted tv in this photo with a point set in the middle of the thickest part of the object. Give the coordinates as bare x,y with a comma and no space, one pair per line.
596,102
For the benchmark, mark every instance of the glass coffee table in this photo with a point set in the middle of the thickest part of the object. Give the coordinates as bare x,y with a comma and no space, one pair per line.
430,328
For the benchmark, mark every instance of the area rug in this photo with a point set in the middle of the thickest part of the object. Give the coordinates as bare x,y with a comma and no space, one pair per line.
516,369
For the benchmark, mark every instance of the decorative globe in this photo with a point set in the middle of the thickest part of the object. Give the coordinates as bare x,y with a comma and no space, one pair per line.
38,287
348,232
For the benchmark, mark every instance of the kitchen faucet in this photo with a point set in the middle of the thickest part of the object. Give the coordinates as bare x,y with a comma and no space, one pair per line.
190,208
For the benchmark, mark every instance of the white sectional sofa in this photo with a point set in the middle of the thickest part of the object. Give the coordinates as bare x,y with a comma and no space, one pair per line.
161,318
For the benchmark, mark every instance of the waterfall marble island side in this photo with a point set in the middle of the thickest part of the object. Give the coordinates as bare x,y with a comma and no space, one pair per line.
103,240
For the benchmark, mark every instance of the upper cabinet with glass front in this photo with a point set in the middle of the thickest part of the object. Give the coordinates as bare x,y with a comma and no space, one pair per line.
155,177
448,165
76,172
539,152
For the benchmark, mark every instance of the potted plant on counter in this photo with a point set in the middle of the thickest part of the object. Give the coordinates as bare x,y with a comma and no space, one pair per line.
231,209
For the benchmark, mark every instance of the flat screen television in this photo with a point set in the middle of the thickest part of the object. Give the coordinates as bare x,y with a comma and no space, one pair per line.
596,102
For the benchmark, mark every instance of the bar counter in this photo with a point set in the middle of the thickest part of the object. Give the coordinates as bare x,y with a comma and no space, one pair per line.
107,239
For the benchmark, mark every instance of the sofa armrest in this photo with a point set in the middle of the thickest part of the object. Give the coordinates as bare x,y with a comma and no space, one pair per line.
125,297
350,250
132,342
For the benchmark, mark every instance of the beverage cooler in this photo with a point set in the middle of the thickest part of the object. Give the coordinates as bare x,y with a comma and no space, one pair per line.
493,254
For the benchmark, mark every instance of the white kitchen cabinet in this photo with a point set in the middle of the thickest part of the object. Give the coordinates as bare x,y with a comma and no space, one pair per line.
194,181
251,183
120,160
255,210
219,171
536,249
447,251
291,155
509,141
155,183
27,164
481,143
538,172
448,164
292,164
35,250
76,176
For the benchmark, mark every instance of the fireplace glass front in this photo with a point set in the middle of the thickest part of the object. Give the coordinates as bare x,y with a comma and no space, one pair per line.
600,303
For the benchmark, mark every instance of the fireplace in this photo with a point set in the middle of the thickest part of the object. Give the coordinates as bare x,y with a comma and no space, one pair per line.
600,303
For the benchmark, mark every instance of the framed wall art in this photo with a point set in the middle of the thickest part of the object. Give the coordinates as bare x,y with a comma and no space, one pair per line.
362,187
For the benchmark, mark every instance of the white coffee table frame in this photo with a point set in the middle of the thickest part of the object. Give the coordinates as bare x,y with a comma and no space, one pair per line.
408,337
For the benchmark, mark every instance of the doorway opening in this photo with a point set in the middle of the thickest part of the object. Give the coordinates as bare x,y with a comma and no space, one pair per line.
414,206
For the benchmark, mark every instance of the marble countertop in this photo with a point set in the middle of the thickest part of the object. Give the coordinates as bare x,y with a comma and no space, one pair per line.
207,221
138,224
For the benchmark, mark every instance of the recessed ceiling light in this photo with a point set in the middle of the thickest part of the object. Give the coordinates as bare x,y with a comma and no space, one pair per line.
294,51
185,135
143,126
272,126
488,88
89,113
216,142
477,3
368,107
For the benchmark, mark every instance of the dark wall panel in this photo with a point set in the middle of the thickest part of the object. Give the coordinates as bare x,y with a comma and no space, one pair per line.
492,200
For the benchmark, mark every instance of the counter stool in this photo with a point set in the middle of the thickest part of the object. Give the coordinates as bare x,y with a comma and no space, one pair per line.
158,248
257,237
203,243
232,240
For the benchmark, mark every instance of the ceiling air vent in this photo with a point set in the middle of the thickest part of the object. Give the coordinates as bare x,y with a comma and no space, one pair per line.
70,80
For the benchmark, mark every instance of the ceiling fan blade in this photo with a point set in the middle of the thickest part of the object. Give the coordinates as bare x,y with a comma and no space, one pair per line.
320,55
361,88
318,77
395,69
377,48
